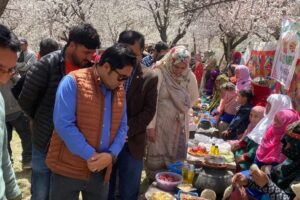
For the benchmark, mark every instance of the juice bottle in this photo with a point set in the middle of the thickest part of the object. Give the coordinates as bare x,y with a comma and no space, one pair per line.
184,171
191,174
212,149
217,152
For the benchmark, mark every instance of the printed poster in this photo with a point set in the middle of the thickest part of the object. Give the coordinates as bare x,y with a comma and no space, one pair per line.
287,52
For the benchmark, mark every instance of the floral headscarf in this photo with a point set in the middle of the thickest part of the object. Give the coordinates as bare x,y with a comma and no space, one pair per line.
176,55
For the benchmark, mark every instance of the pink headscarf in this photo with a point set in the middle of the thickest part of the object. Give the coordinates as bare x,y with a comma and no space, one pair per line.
243,81
269,151
259,111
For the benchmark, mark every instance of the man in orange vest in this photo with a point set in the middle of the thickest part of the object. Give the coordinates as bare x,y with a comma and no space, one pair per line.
90,126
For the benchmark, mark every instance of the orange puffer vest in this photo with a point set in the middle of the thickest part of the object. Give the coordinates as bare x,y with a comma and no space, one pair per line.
89,117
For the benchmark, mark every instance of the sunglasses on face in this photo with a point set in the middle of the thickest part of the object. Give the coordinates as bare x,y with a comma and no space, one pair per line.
121,77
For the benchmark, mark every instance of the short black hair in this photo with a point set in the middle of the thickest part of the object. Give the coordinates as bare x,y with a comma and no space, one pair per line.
118,56
130,37
8,39
246,93
86,35
48,45
161,46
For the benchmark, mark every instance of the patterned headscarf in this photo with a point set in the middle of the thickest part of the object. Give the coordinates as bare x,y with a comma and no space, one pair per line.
175,56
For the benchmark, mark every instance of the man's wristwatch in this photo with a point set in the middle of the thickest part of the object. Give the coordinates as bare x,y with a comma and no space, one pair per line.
114,157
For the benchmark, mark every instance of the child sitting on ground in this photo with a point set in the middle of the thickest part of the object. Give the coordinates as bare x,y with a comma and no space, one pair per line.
228,106
241,120
244,150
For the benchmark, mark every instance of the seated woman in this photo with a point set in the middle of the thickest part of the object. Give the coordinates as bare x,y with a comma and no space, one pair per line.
244,149
241,120
276,102
243,79
228,106
268,152
261,91
276,184
221,79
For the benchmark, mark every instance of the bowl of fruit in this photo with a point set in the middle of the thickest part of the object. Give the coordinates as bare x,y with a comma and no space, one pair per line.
168,180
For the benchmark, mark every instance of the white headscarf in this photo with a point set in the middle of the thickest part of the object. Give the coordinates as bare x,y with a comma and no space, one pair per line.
278,102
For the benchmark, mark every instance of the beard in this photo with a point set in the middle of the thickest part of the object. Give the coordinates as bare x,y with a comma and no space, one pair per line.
81,64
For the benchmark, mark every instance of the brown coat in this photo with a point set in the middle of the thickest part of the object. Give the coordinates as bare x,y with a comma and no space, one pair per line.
89,114
141,107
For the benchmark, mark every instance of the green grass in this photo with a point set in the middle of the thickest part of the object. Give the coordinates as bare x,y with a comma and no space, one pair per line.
23,176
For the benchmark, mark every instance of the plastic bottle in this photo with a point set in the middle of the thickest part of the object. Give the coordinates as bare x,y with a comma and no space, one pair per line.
184,171
217,152
191,174
212,149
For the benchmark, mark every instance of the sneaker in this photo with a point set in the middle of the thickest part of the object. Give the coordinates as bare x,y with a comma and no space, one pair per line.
27,165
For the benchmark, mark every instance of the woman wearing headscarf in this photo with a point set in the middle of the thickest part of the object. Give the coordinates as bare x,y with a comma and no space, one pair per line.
275,103
216,98
236,58
211,72
268,152
245,156
198,68
168,131
277,184
243,79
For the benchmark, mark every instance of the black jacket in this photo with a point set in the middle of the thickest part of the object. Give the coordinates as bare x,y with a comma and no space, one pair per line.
38,96
141,107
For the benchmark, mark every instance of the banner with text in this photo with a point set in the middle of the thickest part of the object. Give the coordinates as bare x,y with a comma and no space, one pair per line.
287,52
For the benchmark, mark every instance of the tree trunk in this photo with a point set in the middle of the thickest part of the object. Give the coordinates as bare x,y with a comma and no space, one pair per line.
230,42
3,4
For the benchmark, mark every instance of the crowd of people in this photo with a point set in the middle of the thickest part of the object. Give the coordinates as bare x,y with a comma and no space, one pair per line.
90,121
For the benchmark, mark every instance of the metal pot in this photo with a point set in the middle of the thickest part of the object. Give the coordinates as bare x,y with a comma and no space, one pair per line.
214,179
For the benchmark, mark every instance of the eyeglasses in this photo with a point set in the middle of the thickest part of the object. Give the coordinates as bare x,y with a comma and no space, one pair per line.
10,71
121,77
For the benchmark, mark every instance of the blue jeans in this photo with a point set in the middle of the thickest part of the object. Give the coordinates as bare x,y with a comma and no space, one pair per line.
129,171
40,178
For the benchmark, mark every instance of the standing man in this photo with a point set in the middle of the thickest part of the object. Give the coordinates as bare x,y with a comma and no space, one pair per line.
15,118
90,126
38,95
26,57
141,97
9,46
160,49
